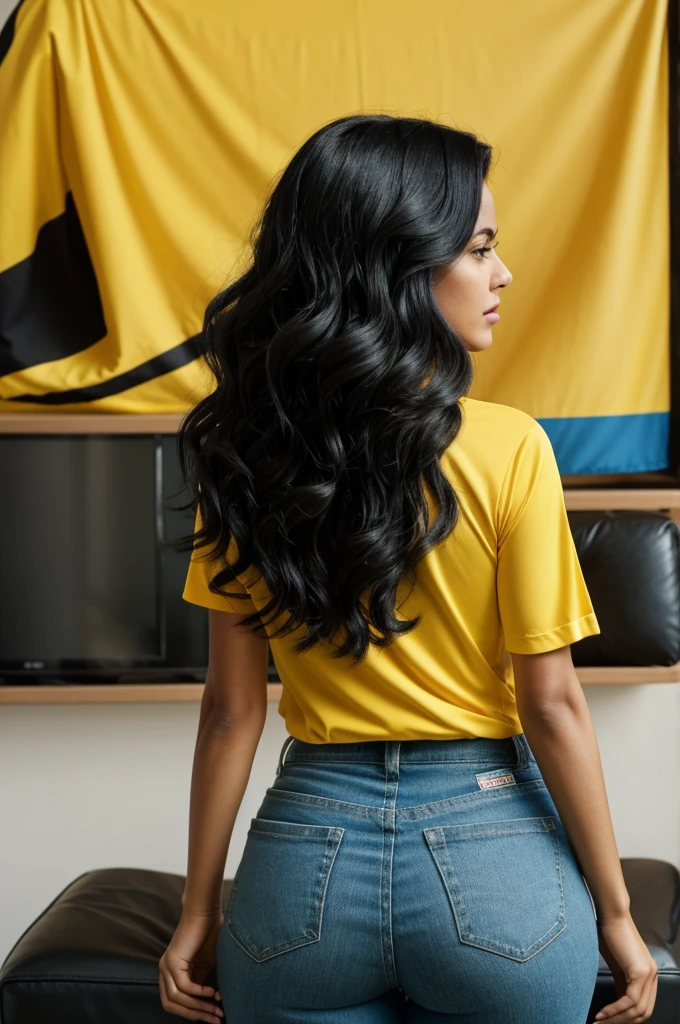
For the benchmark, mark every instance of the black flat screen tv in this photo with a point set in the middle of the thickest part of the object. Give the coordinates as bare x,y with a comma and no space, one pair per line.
90,590
80,537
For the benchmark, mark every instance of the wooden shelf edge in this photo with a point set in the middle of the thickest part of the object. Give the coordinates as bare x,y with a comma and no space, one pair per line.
628,675
189,693
90,423
127,693
654,499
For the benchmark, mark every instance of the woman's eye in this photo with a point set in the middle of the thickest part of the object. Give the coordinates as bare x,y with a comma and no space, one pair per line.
484,249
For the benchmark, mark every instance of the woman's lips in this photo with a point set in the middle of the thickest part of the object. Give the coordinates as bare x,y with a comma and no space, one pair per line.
493,317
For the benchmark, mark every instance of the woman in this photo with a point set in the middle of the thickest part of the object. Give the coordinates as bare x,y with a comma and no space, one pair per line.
437,836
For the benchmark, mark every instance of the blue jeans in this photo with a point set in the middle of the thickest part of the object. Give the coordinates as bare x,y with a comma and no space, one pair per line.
408,880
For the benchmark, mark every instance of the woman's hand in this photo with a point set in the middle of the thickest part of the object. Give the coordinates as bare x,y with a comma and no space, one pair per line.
184,965
633,969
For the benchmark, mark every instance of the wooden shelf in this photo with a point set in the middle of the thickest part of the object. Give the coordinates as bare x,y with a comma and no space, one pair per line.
126,693
628,675
189,693
89,423
654,499
656,491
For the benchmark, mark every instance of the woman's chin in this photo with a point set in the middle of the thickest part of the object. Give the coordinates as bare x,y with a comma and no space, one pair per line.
480,341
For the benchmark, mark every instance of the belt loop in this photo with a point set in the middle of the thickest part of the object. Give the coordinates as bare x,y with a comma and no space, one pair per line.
282,756
392,752
522,750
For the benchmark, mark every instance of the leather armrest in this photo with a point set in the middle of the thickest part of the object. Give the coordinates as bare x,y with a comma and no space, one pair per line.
654,889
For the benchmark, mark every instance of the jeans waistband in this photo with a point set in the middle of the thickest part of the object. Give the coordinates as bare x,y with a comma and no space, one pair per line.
512,750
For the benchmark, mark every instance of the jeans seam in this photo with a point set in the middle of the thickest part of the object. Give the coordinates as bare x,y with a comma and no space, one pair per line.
415,812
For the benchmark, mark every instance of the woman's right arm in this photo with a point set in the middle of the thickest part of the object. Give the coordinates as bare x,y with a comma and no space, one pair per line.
556,722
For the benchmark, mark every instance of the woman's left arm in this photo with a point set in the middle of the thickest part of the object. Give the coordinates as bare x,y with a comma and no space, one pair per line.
232,717
225,749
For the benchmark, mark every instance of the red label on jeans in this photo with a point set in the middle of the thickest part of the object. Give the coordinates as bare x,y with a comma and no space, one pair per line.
490,780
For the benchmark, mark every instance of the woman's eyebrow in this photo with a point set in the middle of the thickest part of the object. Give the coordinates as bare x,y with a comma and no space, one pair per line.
488,232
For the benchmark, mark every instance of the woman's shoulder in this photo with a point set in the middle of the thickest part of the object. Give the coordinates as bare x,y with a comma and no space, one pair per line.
490,437
493,426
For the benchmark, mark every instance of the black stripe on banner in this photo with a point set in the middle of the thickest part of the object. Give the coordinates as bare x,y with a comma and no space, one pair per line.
7,32
173,359
50,306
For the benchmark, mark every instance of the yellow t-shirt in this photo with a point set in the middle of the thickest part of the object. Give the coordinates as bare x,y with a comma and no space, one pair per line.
507,579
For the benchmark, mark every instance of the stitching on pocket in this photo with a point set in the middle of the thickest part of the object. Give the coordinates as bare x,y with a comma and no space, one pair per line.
282,886
478,913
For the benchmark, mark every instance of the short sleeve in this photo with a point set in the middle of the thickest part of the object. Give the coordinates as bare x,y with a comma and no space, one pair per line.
200,573
542,596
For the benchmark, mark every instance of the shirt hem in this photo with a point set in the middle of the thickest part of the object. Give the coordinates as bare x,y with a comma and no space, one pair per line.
551,639
197,595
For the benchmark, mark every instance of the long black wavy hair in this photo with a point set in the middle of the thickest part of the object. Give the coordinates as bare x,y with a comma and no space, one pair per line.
337,381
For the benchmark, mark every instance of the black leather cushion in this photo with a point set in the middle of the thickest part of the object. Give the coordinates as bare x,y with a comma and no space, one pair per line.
654,890
92,955
631,565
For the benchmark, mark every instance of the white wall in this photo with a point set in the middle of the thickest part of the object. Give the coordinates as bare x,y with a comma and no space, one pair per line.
5,7
91,786
107,785
638,732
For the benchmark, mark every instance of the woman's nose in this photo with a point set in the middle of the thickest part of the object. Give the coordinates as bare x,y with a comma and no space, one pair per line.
505,277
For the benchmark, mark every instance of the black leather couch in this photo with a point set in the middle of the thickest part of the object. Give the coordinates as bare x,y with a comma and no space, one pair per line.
92,956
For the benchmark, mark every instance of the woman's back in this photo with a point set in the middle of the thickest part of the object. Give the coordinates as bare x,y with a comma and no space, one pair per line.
507,579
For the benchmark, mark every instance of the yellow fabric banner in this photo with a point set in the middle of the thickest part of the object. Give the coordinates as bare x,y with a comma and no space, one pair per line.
139,139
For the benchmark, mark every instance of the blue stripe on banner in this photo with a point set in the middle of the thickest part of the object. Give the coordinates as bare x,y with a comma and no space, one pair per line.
637,443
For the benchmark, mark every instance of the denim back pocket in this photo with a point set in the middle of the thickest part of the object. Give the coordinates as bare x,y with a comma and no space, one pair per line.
278,893
504,883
